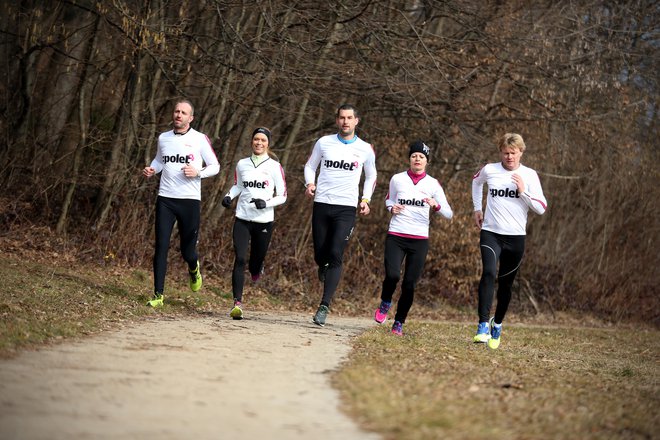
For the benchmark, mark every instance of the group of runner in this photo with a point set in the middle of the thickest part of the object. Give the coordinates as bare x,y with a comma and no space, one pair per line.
185,156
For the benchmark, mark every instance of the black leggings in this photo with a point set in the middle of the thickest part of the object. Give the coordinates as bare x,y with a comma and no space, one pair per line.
414,251
186,213
332,226
258,235
509,250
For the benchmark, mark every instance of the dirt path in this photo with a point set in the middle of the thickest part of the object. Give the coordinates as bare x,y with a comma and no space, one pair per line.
204,378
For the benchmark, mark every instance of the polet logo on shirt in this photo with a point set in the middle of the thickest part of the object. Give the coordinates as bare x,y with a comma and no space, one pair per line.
506,192
341,164
411,202
178,158
255,184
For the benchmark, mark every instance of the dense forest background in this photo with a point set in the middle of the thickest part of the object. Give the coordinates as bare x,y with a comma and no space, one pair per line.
87,87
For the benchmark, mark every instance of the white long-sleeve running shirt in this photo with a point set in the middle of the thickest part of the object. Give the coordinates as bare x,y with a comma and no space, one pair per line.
412,191
341,165
265,181
174,152
506,210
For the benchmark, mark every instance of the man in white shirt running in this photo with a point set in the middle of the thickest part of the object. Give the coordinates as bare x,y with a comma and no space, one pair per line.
180,158
341,158
513,189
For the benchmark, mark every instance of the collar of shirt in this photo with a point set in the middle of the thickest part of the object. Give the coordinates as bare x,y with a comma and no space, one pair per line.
416,177
256,160
176,133
345,141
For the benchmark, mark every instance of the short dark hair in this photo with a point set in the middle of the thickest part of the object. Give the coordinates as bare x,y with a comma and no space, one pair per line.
347,107
186,101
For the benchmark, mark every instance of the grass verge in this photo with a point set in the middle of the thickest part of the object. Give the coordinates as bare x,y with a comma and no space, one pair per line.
42,302
542,383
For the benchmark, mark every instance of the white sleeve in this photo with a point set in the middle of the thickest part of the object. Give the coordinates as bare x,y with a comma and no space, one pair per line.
390,201
445,210
312,164
235,189
212,165
370,175
280,188
533,195
478,189
157,162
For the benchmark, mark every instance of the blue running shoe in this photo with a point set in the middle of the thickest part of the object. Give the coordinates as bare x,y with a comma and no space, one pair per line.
483,333
397,328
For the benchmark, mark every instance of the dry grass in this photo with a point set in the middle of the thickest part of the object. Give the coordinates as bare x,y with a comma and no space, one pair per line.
47,301
543,383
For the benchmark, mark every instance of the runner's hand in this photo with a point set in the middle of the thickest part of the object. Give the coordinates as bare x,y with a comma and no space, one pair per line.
259,203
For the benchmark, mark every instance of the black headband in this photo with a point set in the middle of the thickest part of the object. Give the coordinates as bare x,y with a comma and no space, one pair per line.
264,131
419,147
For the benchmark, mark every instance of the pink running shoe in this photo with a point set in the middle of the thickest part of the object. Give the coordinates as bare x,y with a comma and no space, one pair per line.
256,277
380,315
397,328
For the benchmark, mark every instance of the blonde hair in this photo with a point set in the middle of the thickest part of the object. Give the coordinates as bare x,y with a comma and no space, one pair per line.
512,140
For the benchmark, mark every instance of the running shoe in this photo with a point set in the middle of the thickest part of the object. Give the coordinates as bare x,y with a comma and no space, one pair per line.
495,333
483,333
322,271
397,328
256,277
237,311
321,314
157,301
380,315
195,279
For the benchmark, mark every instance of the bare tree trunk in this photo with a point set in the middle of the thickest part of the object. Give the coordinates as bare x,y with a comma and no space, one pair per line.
77,157
82,130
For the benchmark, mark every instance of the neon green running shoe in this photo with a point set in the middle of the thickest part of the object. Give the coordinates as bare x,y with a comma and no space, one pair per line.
236,312
157,301
495,335
195,279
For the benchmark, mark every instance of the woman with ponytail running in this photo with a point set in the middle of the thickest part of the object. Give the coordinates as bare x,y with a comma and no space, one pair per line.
260,185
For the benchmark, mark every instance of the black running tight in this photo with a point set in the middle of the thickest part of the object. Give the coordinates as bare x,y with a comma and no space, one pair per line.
414,251
258,235
332,226
186,213
509,250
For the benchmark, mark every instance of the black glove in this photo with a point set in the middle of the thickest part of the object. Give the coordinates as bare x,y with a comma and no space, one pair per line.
260,203
226,202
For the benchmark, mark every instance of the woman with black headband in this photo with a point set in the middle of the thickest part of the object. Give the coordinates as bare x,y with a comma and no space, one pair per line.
412,196
260,185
